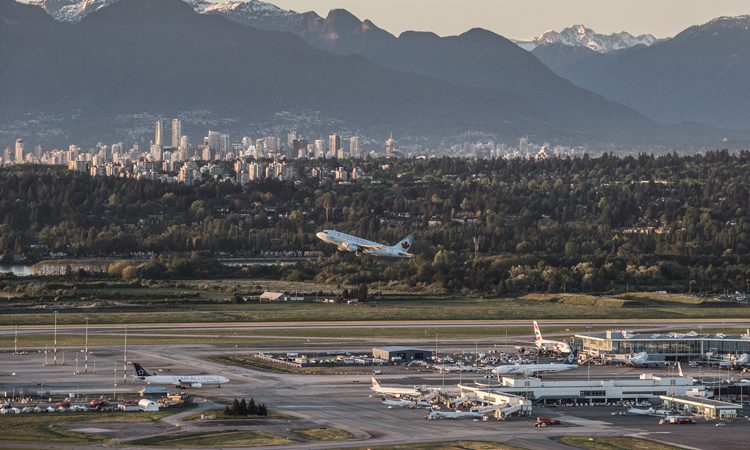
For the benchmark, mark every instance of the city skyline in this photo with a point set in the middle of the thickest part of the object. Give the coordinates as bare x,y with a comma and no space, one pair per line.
527,19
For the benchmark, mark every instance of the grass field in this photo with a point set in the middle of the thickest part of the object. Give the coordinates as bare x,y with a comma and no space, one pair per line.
532,306
45,428
322,434
612,443
225,438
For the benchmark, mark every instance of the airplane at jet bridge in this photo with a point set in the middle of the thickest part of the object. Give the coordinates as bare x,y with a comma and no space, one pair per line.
348,243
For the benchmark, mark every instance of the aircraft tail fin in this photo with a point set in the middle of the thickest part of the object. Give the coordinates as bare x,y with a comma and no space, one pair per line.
405,244
140,371
572,358
375,383
537,333
679,369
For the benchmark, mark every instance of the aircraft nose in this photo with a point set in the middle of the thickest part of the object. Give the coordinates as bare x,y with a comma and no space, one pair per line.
321,235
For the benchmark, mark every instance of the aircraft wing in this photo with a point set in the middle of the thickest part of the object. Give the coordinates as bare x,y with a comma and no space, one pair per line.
371,247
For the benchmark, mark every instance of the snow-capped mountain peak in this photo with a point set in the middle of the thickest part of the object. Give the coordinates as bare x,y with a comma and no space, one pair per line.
76,10
255,7
581,36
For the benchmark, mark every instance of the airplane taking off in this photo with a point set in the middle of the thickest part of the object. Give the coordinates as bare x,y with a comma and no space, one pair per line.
546,345
396,391
195,381
348,243
533,369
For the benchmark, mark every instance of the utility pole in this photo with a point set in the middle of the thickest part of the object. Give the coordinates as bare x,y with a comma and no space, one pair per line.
54,349
86,349
125,359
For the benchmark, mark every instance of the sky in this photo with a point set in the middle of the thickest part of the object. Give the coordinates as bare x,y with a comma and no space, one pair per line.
521,19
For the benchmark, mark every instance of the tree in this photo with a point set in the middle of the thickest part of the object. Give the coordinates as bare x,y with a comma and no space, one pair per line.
362,292
245,408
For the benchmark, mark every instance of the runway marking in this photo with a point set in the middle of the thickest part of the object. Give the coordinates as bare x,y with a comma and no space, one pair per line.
584,422
303,407
92,430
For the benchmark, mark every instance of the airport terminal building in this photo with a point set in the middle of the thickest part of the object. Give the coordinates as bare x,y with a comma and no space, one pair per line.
670,345
646,387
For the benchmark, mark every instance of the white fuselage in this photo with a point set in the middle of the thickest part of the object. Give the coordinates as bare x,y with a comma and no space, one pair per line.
553,346
638,359
406,403
648,412
396,391
454,415
348,243
185,379
513,369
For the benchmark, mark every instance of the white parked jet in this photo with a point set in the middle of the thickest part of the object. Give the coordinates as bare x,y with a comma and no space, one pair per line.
433,415
195,381
533,369
648,412
636,360
405,403
396,391
546,345
348,243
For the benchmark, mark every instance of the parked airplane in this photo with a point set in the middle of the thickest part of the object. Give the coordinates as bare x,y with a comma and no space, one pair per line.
195,381
348,243
741,361
397,391
433,415
533,369
546,345
636,360
405,403
649,412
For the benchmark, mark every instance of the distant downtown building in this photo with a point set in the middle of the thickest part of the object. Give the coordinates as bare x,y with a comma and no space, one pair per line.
354,146
19,151
159,133
389,144
176,132
334,144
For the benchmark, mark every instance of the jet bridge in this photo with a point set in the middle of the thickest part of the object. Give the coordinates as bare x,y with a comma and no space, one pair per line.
503,405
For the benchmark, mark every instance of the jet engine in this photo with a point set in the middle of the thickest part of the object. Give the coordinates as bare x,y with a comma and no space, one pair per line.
347,247
196,385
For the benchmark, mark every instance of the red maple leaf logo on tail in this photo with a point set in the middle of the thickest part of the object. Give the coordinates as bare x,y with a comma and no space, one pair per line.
405,245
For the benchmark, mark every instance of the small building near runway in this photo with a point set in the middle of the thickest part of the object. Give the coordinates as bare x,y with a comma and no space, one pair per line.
401,354
707,407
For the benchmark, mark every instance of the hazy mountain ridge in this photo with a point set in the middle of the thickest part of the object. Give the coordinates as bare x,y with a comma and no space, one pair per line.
514,92
105,66
478,58
700,75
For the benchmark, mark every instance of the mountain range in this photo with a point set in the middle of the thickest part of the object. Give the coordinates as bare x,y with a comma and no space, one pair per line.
160,57
167,56
581,36
700,75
